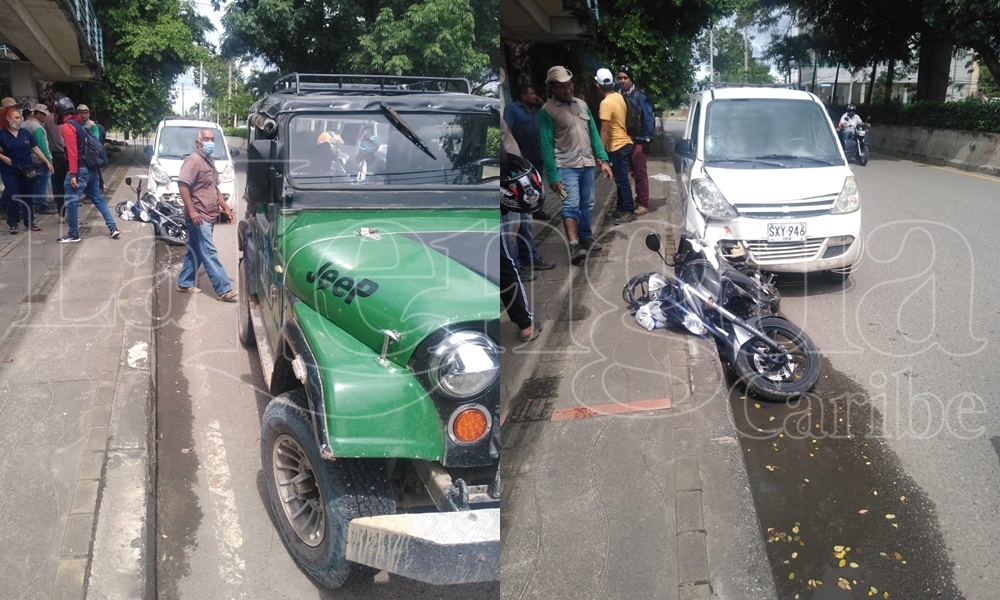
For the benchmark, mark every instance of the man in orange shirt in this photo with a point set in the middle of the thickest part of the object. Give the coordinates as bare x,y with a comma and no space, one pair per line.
617,142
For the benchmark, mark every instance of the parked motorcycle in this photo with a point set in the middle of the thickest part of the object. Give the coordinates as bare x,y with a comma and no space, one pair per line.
857,147
167,219
771,355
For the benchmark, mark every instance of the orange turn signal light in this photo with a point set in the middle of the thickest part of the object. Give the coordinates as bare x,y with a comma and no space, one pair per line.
470,425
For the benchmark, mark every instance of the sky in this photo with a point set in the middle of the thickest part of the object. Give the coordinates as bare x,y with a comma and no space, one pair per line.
185,90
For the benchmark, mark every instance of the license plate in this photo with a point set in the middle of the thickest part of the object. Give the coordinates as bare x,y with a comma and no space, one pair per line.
786,232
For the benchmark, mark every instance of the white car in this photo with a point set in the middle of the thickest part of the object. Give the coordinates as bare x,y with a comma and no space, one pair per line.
762,173
174,141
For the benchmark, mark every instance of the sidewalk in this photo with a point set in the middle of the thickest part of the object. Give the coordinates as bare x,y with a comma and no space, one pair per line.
622,474
76,359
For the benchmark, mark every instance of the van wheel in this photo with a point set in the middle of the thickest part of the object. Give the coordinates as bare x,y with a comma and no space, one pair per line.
313,499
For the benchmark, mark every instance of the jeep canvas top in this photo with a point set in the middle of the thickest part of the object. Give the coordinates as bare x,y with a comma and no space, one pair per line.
369,281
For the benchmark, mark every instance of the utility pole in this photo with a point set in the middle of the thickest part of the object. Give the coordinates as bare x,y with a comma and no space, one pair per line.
182,100
229,98
711,56
201,87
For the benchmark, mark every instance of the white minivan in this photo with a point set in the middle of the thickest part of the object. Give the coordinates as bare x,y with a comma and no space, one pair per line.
763,174
174,141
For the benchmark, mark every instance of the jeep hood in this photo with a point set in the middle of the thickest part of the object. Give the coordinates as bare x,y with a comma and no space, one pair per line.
411,274
746,186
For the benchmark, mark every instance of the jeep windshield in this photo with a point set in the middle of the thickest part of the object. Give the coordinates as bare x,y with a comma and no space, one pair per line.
365,149
178,141
764,133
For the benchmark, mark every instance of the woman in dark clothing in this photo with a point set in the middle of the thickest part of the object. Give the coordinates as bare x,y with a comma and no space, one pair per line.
16,148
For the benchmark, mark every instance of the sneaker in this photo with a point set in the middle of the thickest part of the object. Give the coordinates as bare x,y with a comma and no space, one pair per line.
35,227
642,210
625,217
115,234
525,274
188,290
68,239
229,296
13,230
577,253
542,265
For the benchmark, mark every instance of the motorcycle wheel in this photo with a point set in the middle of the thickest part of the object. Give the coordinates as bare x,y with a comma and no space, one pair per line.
174,233
779,377
863,156
123,210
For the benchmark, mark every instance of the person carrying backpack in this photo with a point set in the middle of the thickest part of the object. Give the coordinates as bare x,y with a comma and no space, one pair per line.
643,137
81,178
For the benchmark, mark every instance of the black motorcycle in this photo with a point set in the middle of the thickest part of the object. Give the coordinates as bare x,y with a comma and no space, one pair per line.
857,146
771,355
167,219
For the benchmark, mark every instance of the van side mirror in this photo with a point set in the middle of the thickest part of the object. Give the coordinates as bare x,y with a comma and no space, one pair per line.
653,242
148,151
684,148
234,151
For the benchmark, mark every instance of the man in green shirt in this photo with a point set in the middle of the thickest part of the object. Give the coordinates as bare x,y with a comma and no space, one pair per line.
40,189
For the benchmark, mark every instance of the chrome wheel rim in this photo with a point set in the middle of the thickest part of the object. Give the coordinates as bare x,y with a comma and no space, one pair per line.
298,490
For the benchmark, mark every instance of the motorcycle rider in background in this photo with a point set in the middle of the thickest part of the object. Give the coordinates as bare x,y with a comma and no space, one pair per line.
848,122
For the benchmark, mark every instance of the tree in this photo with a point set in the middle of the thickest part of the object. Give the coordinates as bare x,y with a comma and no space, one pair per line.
147,45
431,37
729,59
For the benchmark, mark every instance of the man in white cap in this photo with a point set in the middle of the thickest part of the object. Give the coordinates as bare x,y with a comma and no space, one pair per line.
40,185
571,148
8,101
616,139
83,111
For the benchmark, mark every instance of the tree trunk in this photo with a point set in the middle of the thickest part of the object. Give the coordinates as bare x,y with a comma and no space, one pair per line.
934,69
988,58
889,74
871,85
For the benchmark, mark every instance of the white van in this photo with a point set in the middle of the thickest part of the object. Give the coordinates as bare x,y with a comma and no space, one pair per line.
762,173
174,141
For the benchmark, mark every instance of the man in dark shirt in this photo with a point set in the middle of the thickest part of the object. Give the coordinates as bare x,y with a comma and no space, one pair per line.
198,184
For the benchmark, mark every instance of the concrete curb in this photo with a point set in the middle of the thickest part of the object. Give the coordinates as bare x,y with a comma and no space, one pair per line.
966,150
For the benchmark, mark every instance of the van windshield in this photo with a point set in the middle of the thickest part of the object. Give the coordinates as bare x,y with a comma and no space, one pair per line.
414,149
178,141
759,132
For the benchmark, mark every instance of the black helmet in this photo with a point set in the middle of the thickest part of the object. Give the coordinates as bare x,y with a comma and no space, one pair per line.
851,108
64,106
521,187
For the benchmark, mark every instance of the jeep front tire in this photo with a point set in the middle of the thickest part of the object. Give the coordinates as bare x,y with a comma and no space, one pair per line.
243,323
313,499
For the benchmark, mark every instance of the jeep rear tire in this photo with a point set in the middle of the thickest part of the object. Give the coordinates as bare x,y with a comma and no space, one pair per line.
313,499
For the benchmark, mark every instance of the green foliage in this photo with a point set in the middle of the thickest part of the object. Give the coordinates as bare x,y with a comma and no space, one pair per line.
446,38
971,114
729,58
656,40
492,142
240,132
430,37
147,46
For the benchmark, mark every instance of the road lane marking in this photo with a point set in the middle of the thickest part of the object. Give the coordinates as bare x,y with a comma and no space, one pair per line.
227,525
617,408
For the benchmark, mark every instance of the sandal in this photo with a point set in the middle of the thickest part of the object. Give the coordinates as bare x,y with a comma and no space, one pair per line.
229,296
535,332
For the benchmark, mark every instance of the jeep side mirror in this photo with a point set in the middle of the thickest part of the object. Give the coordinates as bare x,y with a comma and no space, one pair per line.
684,148
260,154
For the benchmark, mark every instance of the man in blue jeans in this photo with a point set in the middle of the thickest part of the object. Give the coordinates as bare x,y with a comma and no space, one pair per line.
79,179
571,149
616,140
198,184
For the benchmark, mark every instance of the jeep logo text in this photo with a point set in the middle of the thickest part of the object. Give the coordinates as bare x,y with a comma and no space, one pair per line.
341,287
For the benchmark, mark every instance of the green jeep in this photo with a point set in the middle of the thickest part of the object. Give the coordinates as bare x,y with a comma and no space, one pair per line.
369,278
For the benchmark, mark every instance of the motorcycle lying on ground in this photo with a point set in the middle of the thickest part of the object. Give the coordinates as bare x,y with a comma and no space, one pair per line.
772,356
857,146
167,220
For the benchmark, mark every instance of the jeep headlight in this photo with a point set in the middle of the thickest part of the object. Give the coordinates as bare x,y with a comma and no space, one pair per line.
228,173
464,364
158,173
849,199
710,201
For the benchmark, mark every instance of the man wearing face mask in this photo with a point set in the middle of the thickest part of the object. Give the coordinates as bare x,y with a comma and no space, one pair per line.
198,184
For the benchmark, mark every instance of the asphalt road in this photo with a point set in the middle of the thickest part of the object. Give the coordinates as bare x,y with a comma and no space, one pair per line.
913,337
215,534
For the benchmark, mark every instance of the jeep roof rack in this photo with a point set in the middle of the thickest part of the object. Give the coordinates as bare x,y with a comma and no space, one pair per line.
304,83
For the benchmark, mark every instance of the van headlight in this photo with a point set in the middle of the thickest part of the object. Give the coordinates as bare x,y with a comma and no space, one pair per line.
464,364
228,173
158,173
849,199
710,201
